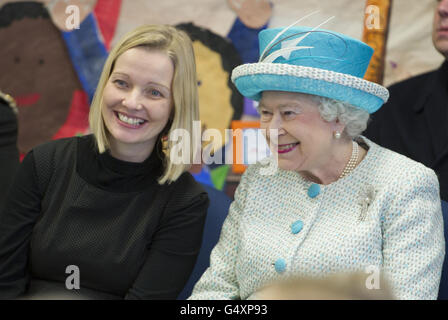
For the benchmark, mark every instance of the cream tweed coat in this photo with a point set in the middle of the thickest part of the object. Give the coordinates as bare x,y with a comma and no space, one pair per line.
274,229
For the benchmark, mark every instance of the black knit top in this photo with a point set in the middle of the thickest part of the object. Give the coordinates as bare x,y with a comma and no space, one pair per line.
128,235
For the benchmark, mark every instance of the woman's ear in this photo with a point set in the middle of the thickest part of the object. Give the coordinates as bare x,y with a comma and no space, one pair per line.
337,126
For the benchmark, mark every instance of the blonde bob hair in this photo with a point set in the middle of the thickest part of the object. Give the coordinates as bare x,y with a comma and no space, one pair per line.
177,45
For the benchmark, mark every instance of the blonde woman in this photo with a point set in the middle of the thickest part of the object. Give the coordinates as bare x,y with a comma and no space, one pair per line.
111,212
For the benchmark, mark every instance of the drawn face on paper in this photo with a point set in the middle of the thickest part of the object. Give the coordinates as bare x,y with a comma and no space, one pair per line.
214,94
219,101
37,72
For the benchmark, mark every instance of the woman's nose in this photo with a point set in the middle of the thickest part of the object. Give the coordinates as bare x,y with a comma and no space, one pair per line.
133,100
276,124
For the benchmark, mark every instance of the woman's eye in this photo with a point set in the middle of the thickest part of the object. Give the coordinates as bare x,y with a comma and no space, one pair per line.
289,114
265,115
120,83
155,93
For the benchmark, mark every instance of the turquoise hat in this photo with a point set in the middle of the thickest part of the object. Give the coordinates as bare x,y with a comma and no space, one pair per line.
312,61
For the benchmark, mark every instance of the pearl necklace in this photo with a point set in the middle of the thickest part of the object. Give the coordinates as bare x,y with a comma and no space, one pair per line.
351,164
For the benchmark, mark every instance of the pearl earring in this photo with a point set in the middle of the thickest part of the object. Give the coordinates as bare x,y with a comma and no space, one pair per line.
337,135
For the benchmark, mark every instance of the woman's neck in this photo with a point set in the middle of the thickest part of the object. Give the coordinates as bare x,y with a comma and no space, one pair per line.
330,170
130,152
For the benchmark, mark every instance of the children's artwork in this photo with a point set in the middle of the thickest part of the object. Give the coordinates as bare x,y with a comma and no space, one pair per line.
53,51
219,100
37,71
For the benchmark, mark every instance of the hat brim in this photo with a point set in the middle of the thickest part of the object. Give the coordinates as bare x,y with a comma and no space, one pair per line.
251,84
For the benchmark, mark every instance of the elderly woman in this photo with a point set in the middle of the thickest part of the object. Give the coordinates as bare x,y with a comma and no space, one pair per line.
338,202
111,214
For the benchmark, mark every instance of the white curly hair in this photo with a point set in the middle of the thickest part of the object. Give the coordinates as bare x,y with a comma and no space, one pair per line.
355,119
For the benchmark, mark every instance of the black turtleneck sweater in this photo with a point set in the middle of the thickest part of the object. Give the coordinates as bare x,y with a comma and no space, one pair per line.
129,236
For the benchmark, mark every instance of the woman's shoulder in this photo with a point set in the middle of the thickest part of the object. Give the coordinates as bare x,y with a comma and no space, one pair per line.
389,165
185,187
55,151
185,192
61,144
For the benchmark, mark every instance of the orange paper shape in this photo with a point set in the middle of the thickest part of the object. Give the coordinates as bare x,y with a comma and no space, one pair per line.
238,127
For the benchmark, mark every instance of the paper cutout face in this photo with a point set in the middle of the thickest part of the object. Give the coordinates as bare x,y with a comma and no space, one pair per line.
38,73
215,106
219,100
253,13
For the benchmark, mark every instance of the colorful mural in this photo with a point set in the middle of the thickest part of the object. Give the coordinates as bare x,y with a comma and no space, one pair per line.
54,51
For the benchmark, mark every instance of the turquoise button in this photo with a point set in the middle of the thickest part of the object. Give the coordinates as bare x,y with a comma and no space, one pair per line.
296,227
280,266
314,190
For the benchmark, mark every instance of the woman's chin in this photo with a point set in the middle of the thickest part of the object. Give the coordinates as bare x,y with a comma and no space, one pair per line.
125,138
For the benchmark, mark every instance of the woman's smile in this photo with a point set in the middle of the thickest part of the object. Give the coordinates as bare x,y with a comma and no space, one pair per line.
128,121
285,148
